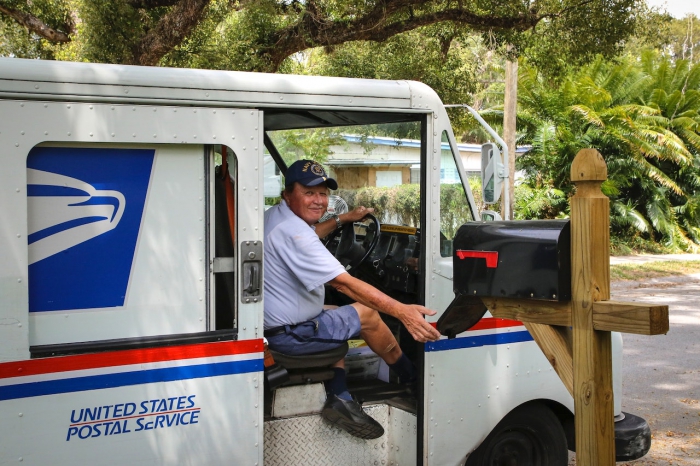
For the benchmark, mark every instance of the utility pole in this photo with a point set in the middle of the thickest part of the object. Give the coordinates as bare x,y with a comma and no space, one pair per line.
510,106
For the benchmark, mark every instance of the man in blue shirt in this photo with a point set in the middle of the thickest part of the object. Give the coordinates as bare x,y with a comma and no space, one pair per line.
297,266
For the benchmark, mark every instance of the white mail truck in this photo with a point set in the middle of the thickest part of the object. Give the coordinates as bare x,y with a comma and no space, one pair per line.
131,265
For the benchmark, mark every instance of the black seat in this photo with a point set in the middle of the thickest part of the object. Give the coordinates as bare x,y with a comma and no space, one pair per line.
310,368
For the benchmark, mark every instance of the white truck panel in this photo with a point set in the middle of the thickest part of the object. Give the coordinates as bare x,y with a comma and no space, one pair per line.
37,122
156,406
477,378
248,149
173,86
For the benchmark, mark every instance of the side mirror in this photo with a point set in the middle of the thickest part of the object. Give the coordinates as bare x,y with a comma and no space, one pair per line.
490,216
491,172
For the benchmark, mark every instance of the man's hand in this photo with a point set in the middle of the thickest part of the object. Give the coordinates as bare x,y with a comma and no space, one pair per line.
356,214
416,325
329,226
410,315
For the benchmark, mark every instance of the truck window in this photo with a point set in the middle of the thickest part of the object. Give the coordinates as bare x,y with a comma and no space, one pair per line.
375,165
454,205
378,166
223,262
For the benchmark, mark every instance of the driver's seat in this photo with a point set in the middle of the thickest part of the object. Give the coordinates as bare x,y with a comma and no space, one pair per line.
310,368
304,391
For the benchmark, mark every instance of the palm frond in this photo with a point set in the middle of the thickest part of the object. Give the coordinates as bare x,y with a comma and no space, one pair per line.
625,215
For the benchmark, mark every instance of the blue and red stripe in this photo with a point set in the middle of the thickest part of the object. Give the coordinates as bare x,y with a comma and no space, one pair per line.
120,374
468,339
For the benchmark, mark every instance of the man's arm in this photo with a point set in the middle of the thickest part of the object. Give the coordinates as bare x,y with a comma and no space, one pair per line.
410,315
327,227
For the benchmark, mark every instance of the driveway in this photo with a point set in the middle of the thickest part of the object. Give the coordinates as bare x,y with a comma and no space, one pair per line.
661,374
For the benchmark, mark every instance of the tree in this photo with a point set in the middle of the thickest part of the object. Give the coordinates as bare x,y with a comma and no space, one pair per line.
446,58
261,35
644,117
684,39
30,31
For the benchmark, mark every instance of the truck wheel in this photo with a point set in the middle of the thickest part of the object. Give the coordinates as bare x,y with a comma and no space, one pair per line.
530,435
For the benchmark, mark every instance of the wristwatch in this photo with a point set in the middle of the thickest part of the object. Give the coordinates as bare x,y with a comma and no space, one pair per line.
338,223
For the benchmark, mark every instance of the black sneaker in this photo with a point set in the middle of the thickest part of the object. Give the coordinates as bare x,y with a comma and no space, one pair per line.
348,415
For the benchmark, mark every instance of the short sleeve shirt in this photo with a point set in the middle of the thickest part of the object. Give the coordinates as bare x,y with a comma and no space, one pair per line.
296,268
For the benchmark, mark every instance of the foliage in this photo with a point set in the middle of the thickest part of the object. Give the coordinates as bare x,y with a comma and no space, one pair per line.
454,211
684,40
401,205
398,204
643,116
439,56
314,144
266,35
16,37
678,39
475,187
559,43
113,30
539,202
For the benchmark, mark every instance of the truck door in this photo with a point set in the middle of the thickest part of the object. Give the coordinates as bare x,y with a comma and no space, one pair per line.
472,381
121,350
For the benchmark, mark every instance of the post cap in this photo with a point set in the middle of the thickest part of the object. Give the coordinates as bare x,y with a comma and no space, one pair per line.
588,165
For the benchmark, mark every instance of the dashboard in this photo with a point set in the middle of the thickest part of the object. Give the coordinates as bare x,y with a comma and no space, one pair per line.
393,265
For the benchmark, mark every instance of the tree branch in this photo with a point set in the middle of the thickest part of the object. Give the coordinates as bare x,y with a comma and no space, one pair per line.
148,4
313,30
170,31
38,27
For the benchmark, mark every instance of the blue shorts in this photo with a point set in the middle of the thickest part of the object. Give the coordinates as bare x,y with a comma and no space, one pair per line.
328,330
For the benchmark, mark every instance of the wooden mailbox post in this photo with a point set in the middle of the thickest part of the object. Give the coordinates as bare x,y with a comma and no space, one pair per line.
575,335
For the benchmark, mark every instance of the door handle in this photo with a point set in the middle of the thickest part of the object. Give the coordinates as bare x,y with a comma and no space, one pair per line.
251,267
251,278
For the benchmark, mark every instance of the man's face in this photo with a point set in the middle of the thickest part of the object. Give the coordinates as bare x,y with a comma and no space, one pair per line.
308,202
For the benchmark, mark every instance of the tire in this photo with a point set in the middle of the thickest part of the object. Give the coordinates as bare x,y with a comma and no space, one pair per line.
530,435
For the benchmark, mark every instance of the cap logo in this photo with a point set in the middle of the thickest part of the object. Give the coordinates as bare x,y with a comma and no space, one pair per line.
308,173
315,168
318,170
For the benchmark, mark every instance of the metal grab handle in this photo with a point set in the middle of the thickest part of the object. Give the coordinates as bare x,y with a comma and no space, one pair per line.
251,278
251,273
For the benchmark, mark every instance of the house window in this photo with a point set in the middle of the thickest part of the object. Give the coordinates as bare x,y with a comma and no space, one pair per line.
389,178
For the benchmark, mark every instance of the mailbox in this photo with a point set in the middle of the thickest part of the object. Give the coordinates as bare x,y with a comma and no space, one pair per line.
514,259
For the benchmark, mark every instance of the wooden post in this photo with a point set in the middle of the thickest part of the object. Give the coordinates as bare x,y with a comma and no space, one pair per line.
590,282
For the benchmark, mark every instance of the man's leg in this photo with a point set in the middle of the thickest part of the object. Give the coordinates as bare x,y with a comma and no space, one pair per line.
380,339
340,408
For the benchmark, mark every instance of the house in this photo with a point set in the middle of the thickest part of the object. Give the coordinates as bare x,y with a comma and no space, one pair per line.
382,161
386,161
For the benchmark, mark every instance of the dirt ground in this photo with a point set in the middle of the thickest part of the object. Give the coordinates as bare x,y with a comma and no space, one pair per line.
661,375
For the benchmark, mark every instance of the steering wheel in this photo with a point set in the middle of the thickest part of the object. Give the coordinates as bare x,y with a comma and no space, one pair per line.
350,252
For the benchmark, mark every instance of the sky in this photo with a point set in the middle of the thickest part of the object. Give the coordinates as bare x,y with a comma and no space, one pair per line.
678,8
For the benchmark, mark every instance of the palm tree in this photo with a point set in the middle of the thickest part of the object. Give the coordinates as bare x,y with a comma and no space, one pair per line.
643,116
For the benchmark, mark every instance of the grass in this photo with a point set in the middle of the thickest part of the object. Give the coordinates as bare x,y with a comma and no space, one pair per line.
656,269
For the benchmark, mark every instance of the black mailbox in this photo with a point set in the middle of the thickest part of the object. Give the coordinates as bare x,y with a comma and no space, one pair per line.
514,259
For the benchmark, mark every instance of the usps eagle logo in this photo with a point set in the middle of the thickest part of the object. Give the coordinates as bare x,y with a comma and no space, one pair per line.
66,212
84,212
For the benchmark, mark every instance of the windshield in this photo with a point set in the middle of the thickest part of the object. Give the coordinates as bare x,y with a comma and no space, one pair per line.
375,165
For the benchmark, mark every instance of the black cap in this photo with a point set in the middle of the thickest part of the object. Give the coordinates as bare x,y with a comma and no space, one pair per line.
308,173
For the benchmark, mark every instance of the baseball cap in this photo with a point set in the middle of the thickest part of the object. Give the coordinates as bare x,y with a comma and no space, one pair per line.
308,173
